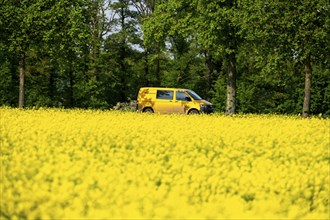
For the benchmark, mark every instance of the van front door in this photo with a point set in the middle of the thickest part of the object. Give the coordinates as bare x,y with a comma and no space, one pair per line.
181,102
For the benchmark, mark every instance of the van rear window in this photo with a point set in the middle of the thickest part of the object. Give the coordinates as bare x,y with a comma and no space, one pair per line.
164,94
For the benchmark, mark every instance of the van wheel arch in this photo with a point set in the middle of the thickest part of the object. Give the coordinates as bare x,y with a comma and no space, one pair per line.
193,111
148,110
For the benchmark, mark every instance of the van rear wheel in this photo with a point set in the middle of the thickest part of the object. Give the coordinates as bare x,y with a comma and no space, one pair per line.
193,112
148,110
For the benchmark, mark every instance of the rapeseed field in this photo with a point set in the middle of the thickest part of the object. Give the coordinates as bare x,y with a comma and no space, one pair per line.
89,164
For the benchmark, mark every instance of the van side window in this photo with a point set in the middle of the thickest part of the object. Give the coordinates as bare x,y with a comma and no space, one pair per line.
164,94
181,96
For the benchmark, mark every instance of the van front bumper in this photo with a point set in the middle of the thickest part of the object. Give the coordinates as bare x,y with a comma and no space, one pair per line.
207,109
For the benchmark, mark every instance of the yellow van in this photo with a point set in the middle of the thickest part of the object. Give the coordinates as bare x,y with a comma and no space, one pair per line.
171,100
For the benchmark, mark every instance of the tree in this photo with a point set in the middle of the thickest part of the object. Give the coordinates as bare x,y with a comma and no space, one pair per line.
154,56
296,31
211,23
19,24
39,30
120,53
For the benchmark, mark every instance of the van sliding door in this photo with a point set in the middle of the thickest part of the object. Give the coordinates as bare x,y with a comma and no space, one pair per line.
164,101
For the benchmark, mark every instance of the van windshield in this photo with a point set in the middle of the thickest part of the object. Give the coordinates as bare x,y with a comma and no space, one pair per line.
194,95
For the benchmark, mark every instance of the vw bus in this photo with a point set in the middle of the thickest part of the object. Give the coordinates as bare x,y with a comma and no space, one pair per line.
171,100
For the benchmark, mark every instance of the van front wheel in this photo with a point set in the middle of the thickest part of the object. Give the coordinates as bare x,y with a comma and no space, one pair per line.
148,110
193,112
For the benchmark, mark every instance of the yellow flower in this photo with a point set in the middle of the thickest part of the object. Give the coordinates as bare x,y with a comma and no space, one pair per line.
88,164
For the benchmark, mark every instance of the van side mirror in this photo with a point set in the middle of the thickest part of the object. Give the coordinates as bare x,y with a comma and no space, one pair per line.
188,99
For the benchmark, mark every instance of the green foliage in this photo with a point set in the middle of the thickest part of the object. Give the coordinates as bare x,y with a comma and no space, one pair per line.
321,91
93,54
90,94
8,90
219,94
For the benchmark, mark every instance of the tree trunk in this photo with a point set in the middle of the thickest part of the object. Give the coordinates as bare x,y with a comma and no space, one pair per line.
21,79
308,84
95,26
231,85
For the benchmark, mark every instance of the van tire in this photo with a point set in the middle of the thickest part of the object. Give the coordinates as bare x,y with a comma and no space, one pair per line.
148,110
193,112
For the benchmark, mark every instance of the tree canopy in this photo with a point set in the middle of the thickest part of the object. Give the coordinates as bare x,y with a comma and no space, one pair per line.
244,56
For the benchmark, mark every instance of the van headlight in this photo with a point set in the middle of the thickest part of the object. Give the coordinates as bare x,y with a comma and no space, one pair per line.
203,107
